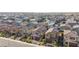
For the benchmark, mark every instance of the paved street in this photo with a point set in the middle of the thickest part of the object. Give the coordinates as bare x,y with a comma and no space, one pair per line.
7,42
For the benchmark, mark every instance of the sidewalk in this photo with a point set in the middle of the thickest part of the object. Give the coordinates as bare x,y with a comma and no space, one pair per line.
7,42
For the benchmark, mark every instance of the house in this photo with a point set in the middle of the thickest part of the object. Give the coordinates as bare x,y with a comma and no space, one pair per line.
65,27
34,21
71,22
38,32
76,28
51,23
70,38
51,34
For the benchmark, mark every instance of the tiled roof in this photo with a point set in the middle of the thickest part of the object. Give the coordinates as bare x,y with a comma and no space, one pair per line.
66,31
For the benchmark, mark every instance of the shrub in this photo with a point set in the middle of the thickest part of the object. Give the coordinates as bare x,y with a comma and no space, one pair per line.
2,34
42,41
29,40
54,43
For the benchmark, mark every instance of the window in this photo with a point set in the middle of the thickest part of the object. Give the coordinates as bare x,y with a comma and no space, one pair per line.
66,42
72,38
